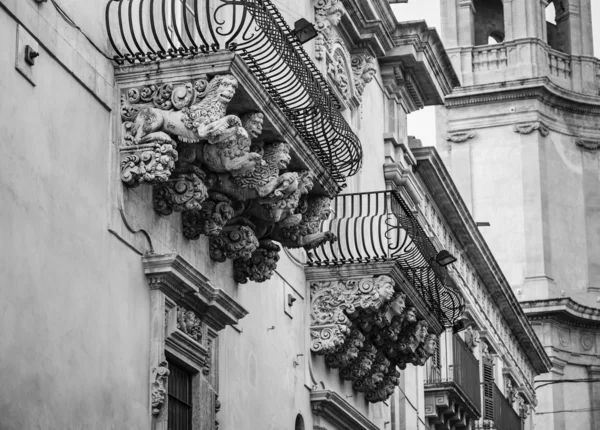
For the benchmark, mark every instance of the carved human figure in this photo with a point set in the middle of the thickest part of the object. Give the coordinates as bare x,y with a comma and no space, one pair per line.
472,337
396,307
328,14
253,124
189,323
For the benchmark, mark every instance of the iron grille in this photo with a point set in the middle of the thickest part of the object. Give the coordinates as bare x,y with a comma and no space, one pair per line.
180,399
152,30
379,226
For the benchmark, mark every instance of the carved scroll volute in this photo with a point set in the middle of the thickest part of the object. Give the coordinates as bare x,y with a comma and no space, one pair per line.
364,70
158,386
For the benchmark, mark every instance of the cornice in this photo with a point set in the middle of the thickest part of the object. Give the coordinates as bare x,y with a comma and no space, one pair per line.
439,183
369,31
335,409
542,89
563,309
183,283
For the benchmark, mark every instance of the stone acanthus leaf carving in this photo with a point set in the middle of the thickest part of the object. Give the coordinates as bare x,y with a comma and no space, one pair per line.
158,386
328,14
472,338
364,70
189,323
236,241
337,70
216,211
366,330
150,163
182,192
529,127
260,266
588,144
460,136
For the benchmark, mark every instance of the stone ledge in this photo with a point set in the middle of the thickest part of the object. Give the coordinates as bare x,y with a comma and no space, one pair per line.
338,411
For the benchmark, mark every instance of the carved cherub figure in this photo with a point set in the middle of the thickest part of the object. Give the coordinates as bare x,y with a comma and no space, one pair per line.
191,124
328,14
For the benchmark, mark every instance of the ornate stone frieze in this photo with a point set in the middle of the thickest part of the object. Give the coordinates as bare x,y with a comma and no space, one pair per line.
158,389
364,70
328,14
210,165
589,144
460,136
366,330
530,127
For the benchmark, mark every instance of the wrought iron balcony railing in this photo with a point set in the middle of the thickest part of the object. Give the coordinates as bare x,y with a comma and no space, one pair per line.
379,226
461,373
152,30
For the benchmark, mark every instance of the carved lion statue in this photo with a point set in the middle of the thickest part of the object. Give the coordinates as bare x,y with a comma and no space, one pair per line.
191,124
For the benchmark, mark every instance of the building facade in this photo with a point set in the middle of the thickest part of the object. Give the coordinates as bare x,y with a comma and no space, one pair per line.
520,138
212,224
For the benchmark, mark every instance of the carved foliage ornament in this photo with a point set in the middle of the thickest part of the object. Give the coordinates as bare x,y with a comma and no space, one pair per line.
328,14
366,330
589,144
209,165
460,136
530,127
158,389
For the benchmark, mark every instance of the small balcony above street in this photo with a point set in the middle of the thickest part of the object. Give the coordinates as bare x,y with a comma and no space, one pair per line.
453,389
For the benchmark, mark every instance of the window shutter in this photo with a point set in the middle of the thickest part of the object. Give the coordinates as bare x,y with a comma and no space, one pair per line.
488,389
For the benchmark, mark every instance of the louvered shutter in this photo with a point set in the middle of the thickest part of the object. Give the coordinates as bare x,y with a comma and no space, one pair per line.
488,389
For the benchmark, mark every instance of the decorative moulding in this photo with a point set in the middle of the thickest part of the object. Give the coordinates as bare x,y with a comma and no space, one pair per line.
181,282
460,136
158,389
530,127
336,410
589,144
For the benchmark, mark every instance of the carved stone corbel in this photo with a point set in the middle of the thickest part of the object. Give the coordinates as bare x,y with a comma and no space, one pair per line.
364,70
235,241
260,266
151,163
182,192
530,127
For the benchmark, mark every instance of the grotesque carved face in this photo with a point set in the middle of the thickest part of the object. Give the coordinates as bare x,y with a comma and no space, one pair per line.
227,86
410,314
368,74
430,345
385,288
253,124
279,154
306,182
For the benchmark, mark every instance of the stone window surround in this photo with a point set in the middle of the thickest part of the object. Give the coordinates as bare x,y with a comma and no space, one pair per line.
177,286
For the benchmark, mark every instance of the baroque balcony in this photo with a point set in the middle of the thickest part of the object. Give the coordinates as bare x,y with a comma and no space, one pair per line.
230,122
378,297
503,416
453,391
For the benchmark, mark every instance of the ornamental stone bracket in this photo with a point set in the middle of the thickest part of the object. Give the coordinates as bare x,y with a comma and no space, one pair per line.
460,136
368,329
530,127
187,313
400,82
201,134
443,412
328,14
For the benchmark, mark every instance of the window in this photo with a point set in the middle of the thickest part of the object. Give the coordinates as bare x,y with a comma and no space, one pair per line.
488,388
299,423
556,31
489,22
180,398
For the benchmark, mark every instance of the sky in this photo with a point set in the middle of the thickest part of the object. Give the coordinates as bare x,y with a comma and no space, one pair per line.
419,122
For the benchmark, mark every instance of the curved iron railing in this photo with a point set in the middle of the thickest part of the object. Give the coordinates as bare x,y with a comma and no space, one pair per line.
379,226
153,30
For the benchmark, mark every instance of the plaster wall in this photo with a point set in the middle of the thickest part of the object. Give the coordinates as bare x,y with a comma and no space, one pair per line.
74,308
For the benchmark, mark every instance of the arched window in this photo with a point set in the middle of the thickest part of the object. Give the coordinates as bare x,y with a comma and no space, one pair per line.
489,22
556,36
299,423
